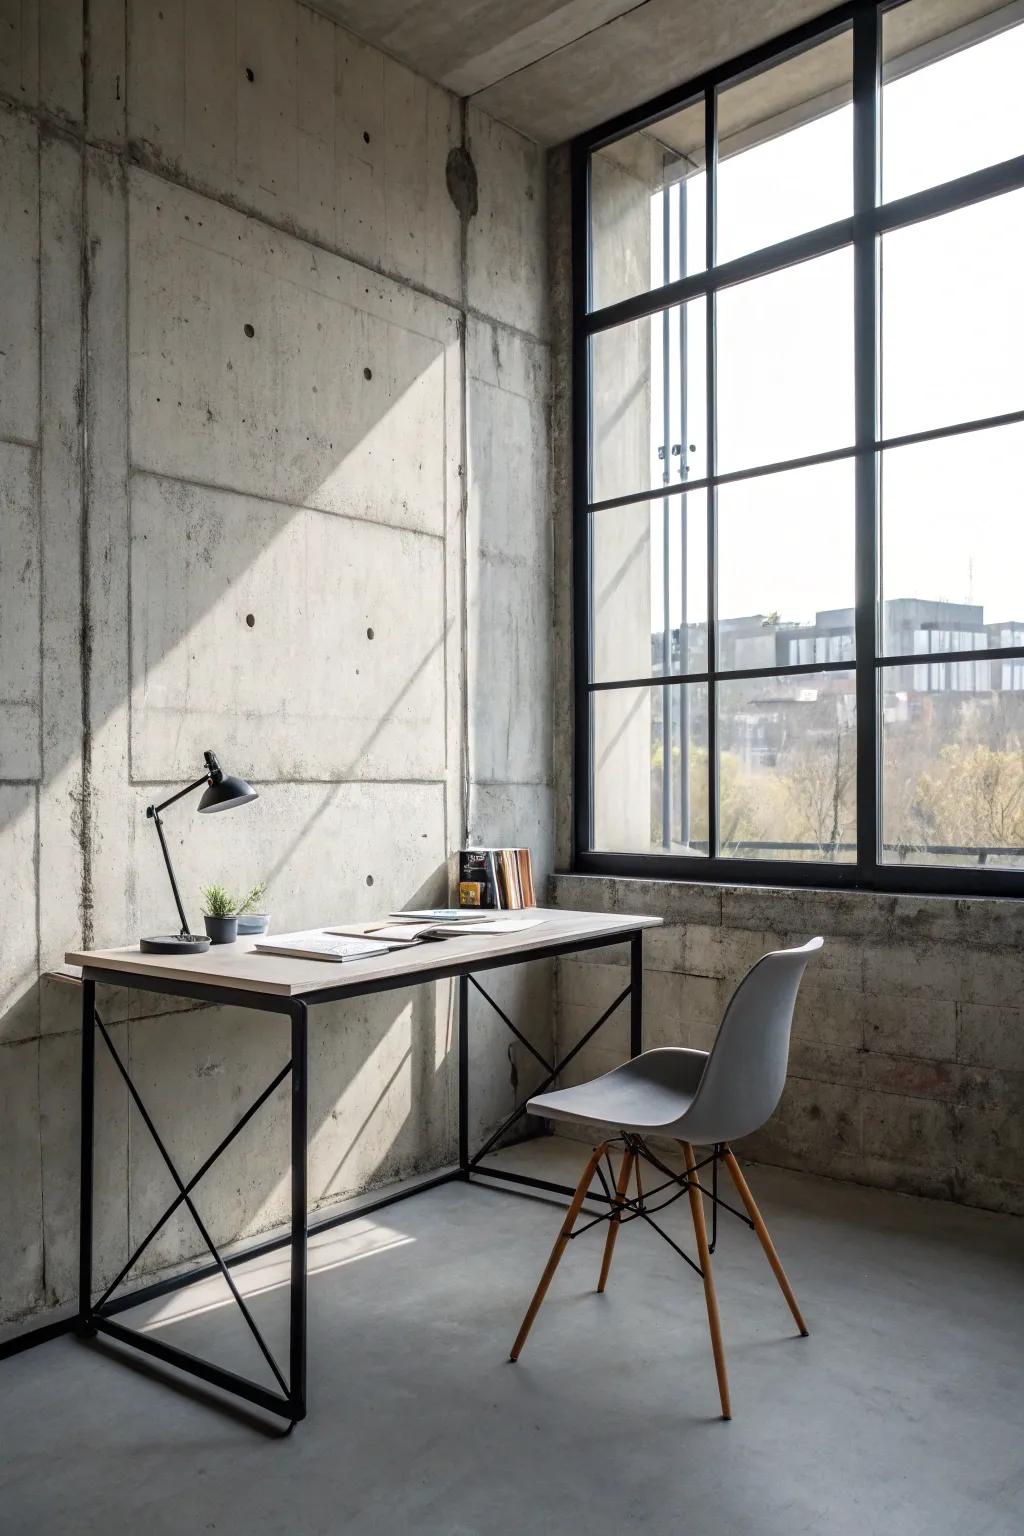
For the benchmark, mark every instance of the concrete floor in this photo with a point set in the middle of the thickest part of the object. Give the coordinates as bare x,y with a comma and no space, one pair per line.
902,1414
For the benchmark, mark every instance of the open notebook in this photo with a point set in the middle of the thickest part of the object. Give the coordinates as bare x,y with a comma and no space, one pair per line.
320,944
394,934
357,941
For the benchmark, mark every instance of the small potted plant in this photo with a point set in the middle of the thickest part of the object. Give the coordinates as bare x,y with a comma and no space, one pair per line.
220,914
225,915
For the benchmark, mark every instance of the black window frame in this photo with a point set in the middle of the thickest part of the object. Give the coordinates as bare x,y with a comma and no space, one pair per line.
870,219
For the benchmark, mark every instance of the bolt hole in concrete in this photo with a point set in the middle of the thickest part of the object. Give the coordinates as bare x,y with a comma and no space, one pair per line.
369,634
250,330
250,619
367,373
249,75
369,879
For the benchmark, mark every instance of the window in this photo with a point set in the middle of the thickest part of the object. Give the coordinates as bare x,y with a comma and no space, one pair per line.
799,462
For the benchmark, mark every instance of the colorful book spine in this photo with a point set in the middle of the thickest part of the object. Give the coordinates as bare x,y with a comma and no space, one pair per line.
478,879
496,878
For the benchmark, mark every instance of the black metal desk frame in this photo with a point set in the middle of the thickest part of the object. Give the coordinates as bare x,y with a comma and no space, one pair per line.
99,1316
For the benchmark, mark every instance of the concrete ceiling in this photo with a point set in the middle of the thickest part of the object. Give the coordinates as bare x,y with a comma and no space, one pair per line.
552,68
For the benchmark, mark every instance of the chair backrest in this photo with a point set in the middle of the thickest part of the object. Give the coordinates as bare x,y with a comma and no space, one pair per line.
746,1070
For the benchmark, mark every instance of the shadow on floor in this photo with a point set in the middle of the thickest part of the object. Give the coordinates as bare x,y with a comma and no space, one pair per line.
901,1414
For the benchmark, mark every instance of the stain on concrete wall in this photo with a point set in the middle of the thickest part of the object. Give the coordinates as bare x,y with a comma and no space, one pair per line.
460,174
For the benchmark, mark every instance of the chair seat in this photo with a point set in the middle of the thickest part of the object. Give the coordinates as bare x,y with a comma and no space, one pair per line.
647,1094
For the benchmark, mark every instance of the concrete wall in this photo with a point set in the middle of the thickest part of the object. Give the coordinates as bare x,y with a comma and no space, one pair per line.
274,480
907,1063
907,1067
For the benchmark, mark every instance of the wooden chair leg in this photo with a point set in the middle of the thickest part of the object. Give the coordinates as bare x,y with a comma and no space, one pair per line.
628,1159
561,1242
743,1190
714,1322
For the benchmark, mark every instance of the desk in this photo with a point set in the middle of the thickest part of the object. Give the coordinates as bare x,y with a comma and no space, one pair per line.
238,975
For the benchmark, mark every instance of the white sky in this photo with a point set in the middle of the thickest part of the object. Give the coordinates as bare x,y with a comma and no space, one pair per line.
952,349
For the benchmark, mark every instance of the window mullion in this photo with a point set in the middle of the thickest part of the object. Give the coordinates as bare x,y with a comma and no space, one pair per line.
583,757
866,187
666,460
711,189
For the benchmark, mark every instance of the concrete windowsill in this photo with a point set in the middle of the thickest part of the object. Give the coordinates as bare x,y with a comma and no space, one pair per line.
990,921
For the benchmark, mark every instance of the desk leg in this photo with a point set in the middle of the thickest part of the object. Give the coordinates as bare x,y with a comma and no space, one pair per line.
463,1026
297,1332
636,994
86,1160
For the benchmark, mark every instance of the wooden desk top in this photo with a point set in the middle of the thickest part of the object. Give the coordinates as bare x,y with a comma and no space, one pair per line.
238,965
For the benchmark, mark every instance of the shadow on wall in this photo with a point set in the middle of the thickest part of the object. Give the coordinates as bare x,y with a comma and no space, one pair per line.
280,574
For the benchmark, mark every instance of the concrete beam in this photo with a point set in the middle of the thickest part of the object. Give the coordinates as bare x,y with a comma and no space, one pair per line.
469,46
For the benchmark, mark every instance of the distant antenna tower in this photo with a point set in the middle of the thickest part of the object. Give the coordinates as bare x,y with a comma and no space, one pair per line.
970,579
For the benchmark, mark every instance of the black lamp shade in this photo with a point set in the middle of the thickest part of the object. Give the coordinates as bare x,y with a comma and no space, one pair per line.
226,793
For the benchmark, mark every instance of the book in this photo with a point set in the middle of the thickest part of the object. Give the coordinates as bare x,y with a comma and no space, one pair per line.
501,878
320,944
478,879
510,891
526,877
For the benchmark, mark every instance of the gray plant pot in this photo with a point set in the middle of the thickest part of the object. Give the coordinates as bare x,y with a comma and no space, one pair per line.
222,930
253,922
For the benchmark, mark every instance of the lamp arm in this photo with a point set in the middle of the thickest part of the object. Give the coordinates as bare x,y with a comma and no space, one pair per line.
185,930
152,810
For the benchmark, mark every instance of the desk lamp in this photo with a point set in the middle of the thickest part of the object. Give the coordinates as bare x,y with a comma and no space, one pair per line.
222,793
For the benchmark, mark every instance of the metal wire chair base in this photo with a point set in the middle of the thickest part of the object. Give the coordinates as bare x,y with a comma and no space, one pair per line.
624,1207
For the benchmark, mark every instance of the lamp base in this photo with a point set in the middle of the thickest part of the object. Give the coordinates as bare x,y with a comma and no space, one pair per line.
175,944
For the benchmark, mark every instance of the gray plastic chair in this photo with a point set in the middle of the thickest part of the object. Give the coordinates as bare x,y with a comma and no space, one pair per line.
708,1098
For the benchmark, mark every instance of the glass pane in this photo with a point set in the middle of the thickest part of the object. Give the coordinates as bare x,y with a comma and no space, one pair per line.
953,317
647,207
786,568
649,420
647,799
785,149
787,767
635,587
953,543
950,100
785,364
953,764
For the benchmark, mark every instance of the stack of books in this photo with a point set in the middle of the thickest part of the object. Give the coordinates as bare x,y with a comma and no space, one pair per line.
500,878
